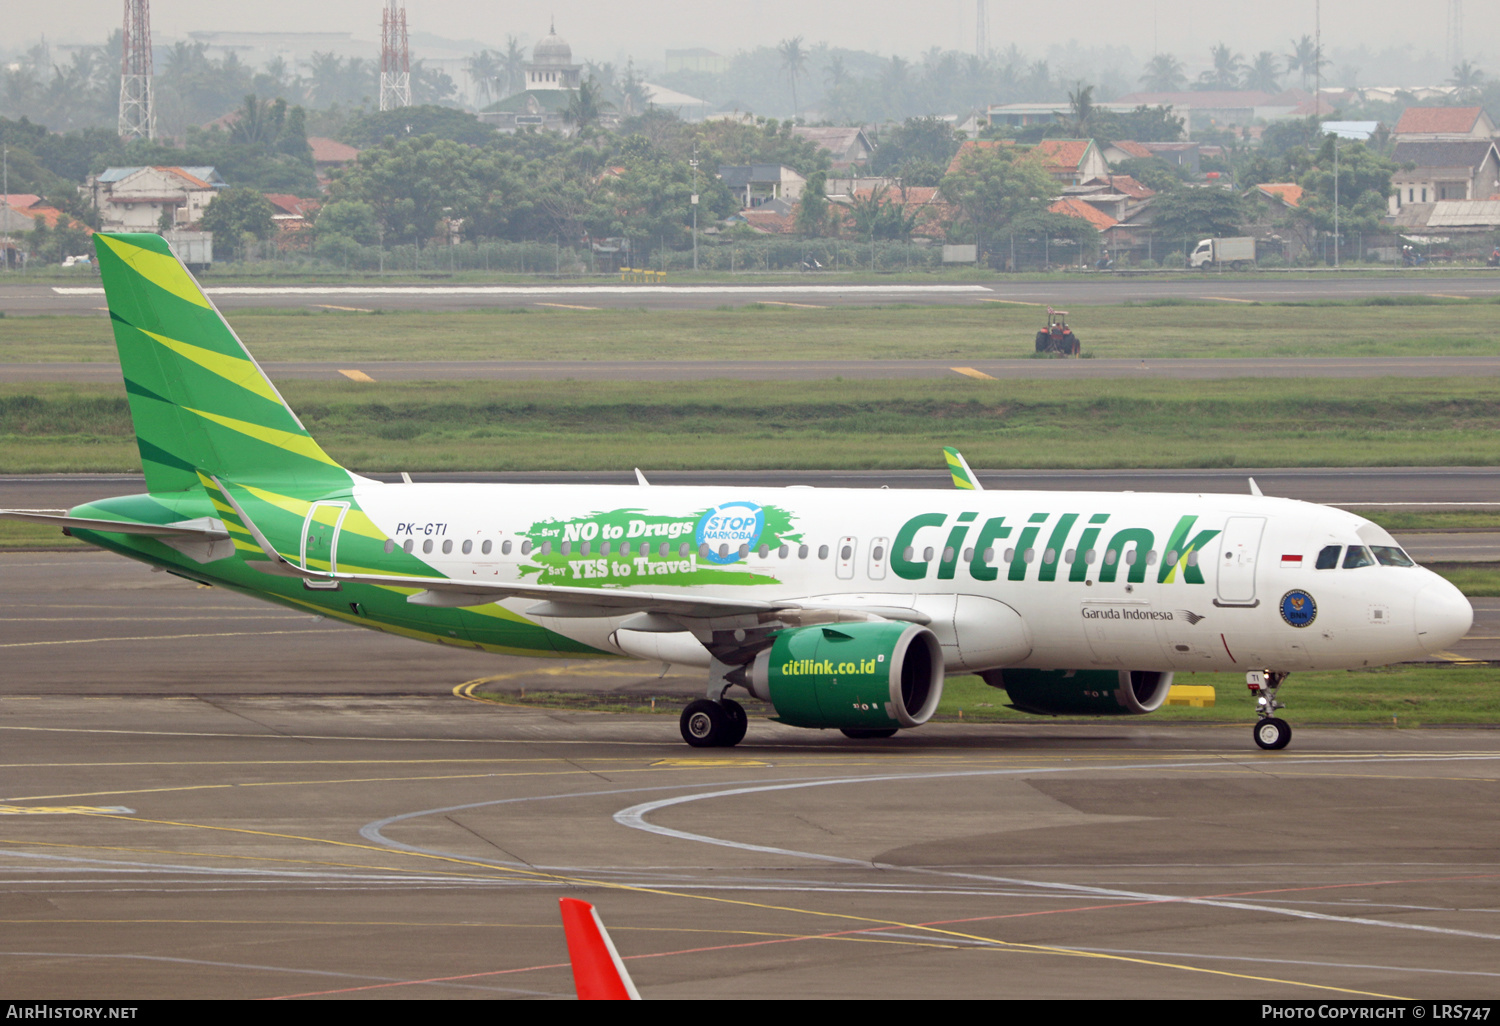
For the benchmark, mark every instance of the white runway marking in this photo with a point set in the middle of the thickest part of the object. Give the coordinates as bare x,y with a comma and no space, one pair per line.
554,290
635,817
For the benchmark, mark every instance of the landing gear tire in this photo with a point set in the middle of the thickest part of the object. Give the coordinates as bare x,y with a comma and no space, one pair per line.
860,734
739,722
1273,734
705,724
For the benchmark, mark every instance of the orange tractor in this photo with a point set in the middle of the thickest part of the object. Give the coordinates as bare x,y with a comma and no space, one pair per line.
1057,338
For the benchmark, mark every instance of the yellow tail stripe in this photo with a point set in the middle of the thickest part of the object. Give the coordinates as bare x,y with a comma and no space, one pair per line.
230,368
160,270
302,445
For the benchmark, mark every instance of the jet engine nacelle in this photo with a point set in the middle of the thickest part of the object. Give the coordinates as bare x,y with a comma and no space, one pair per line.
856,676
1083,692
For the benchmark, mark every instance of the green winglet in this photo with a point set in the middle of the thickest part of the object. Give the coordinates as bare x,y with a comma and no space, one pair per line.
198,399
963,477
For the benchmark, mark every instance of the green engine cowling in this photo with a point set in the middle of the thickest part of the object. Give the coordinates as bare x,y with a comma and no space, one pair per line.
859,676
1083,692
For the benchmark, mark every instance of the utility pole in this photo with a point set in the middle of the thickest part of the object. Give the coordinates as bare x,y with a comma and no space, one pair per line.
694,165
1335,201
5,191
137,96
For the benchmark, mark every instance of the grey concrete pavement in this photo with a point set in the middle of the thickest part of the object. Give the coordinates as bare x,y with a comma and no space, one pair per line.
84,296
207,797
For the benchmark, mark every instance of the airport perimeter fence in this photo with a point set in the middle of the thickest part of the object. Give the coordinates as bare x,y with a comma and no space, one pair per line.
1142,250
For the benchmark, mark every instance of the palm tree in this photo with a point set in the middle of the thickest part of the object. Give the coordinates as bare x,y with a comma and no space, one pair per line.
1263,73
1306,58
513,66
1164,74
1225,74
484,68
1081,101
835,74
794,63
586,105
1468,79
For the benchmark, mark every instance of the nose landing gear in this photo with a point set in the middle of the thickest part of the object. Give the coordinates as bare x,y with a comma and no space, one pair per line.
1270,732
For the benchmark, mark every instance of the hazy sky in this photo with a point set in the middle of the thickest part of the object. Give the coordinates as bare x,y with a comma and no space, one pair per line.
645,28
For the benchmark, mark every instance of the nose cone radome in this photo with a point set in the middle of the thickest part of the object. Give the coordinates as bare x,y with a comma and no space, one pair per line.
1442,616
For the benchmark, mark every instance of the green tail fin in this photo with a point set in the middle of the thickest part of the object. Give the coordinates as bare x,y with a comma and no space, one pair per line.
197,397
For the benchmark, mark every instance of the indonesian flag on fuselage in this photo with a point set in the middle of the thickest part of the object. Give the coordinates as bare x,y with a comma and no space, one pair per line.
1294,560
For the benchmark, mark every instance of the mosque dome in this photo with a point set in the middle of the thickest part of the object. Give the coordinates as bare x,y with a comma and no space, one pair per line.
552,49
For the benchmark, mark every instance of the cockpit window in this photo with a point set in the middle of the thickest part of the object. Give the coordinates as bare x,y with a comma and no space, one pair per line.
1389,555
1357,556
1328,558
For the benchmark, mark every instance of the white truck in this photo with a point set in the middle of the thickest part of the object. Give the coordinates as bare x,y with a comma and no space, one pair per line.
1238,252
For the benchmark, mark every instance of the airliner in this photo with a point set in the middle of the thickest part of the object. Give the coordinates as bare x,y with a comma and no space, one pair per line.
841,608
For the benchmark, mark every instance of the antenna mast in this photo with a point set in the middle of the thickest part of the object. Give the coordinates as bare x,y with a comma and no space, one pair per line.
395,60
981,31
1455,33
137,102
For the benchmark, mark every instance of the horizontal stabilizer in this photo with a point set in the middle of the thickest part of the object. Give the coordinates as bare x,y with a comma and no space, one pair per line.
204,528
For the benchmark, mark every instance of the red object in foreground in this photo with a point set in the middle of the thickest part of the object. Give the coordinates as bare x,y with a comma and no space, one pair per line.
598,973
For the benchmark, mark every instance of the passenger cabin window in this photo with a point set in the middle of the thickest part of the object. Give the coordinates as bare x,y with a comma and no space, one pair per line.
407,545
1328,557
468,546
486,545
390,546
1357,556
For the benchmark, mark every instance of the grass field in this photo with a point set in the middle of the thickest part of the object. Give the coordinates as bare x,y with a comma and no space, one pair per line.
1400,696
984,330
818,425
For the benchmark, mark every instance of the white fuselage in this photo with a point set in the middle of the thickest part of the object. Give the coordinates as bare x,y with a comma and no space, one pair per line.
1149,581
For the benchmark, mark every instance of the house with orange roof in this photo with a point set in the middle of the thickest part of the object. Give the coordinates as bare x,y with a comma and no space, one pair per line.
292,213
1288,194
135,198
1071,206
1070,161
1443,124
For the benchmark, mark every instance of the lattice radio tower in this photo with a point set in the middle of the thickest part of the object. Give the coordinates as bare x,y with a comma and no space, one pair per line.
137,100
981,31
395,61
1455,33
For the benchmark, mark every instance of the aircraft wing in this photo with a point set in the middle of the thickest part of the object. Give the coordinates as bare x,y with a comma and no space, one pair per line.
204,528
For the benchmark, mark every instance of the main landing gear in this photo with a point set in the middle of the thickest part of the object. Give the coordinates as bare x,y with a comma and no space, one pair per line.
1270,733
706,723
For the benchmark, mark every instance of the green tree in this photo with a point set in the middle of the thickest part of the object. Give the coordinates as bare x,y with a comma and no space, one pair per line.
1186,214
414,184
994,186
917,144
373,127
812,208
350,219
238,213
1364,184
